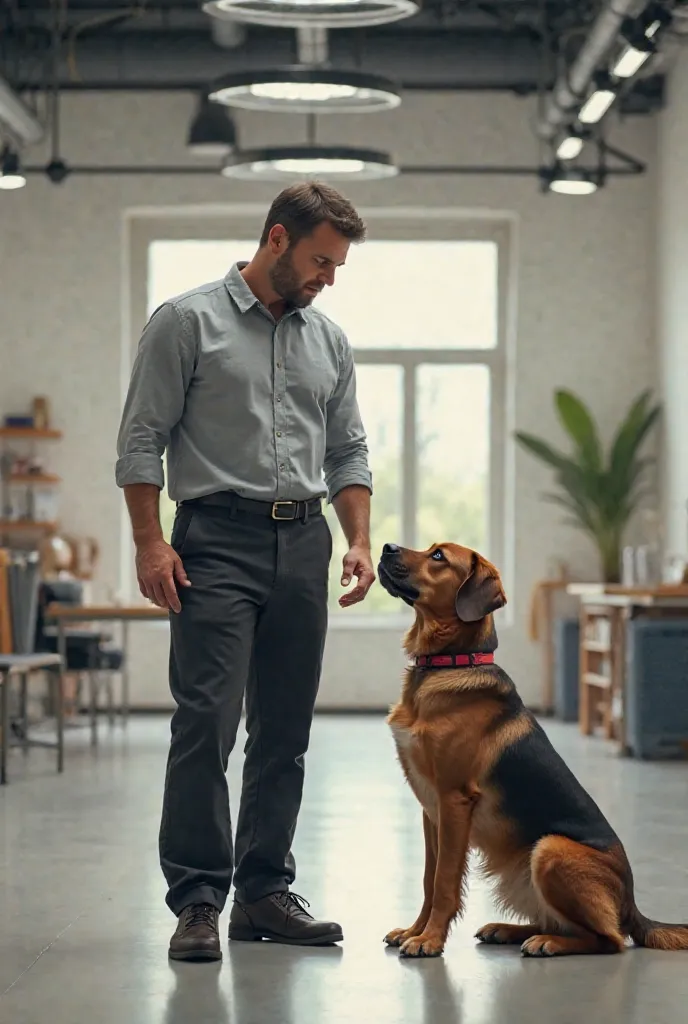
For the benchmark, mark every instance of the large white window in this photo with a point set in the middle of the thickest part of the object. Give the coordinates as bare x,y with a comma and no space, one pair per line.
425,318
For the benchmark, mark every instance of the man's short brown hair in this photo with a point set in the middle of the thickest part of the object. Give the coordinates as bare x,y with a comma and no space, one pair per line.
300,208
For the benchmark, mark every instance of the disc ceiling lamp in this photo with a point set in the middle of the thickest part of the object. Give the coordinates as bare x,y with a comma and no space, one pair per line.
326,163
327,13
302,88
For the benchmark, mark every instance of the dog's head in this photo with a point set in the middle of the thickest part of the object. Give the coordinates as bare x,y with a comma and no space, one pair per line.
450,587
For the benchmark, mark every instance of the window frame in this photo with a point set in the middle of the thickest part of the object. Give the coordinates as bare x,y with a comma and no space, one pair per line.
144,226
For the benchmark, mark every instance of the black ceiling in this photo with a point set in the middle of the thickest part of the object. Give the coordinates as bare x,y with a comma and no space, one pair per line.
514,45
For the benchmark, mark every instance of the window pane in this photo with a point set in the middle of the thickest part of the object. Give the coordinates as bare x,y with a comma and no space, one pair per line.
453,437
380,398
176,265
447,291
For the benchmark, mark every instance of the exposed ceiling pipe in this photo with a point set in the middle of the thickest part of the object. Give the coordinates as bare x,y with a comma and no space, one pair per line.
18,118
572,85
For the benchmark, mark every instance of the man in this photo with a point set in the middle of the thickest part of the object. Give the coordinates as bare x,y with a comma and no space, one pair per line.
252,392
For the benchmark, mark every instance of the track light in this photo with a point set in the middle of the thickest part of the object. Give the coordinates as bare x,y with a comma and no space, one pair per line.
598,102
570,145
212,132
11,176
571,181
637,51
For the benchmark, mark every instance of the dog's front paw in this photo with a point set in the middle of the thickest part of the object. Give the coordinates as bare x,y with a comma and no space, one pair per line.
544,945
423,945
397,937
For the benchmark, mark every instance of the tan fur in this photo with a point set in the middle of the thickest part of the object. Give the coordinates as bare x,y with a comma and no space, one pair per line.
450,729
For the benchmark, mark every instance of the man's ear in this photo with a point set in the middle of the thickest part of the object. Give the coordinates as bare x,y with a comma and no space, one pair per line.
480,593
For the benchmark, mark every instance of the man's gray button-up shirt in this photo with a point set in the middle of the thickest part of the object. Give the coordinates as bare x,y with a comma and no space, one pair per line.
242,402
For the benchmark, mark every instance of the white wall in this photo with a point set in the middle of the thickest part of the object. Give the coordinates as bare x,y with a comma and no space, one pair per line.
584,316
673,300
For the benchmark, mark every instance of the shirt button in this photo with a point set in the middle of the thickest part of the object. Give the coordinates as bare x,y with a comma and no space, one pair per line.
279,433
281,466
279,398
279,366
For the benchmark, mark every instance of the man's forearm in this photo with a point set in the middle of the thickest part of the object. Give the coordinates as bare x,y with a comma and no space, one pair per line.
352,505
143,503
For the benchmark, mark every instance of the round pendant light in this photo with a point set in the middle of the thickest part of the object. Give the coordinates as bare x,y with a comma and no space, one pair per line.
211,133
306,89
326,13
327,163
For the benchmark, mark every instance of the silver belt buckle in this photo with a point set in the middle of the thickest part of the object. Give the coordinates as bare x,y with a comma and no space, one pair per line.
284,519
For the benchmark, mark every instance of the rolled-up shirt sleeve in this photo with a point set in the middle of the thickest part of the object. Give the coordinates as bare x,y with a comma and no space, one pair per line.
161,374
346,448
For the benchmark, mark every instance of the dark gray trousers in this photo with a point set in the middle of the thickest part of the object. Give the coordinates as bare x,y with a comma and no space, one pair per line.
252,622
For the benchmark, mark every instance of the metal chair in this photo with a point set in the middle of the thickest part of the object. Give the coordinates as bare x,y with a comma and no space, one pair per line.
18,586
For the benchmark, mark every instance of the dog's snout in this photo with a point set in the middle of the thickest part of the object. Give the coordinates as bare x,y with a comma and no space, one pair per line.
391,549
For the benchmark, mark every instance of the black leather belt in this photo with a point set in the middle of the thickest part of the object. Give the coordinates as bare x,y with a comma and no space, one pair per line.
280,511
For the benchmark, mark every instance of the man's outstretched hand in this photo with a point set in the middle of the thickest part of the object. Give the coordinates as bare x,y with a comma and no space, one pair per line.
357,562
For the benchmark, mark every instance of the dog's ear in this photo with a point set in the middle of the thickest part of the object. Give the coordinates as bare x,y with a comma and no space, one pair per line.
480,593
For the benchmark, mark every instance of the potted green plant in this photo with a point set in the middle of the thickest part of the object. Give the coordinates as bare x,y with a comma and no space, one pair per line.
600,493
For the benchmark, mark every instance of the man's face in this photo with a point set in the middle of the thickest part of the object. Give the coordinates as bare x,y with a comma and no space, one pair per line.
301,271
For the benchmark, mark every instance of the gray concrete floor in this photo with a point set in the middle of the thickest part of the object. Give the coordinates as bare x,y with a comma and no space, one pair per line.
84,928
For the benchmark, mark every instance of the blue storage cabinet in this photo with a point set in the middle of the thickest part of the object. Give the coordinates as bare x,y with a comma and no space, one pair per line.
656,699
566,661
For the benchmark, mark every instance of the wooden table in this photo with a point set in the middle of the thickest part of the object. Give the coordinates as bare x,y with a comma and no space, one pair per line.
542,632
64,615
22,666
602,677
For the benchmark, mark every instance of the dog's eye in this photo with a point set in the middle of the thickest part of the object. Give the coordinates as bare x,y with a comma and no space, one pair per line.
437,556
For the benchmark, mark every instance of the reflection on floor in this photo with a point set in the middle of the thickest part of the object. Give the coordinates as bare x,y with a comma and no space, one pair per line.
84,929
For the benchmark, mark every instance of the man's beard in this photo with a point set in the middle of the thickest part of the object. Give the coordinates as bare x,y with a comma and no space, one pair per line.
287,284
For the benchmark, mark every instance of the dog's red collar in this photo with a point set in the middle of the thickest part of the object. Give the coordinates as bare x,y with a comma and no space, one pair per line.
452,660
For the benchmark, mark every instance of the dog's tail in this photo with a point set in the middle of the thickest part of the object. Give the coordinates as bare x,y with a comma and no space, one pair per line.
655,934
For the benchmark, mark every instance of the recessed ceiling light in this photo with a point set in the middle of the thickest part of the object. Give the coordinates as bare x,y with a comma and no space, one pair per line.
11,176
328,13
332,163
306,89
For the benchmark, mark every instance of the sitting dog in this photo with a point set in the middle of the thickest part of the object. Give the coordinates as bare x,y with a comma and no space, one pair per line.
488,779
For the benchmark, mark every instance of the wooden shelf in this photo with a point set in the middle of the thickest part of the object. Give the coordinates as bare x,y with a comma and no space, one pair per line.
593,679
30,434
595,647
33,478
25,526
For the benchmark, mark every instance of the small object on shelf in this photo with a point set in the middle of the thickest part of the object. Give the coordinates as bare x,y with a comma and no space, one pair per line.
22,422
41,413
44,504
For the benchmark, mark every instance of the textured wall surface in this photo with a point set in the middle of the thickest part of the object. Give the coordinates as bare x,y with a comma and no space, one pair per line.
583,316
672,303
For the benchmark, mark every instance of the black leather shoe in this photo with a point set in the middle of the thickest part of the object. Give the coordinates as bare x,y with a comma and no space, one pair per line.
197,936
281,917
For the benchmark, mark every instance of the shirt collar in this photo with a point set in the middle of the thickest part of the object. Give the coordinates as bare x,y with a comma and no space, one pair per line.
242,294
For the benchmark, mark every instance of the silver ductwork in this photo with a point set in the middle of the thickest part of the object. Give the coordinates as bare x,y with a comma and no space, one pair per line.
17,117
572,85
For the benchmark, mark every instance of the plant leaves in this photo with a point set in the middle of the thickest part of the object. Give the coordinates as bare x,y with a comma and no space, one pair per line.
542,450
577,421
627,442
